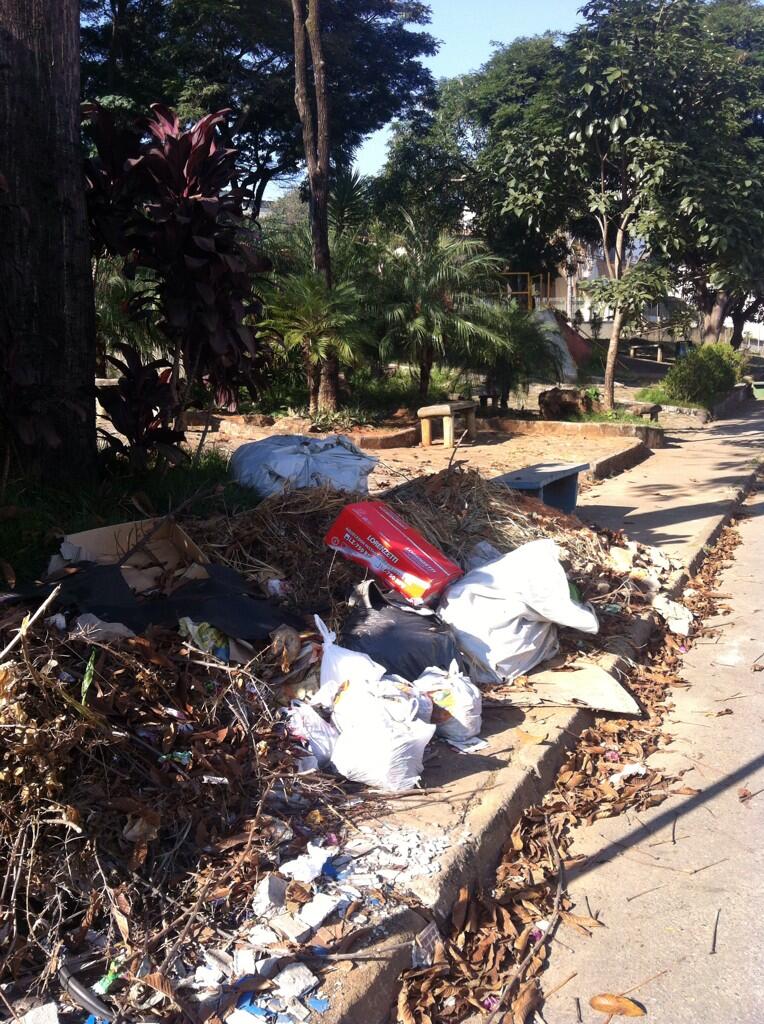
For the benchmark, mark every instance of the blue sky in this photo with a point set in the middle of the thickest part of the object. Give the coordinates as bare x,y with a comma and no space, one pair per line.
467,30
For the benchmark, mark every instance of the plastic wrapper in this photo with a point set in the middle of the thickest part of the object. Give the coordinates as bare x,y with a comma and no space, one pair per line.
405,641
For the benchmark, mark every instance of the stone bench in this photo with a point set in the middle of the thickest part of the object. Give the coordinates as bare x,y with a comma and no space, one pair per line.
660,348
554,483
448,412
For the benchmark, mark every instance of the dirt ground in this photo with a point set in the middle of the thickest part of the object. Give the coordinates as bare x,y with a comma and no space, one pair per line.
492,454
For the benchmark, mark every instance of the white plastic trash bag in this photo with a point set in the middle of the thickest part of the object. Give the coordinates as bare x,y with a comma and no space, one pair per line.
381,741
339,665
292,460
457,704
401,701
305,723
504,613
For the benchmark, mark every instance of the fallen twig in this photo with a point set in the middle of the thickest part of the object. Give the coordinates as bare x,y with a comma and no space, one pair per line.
30,622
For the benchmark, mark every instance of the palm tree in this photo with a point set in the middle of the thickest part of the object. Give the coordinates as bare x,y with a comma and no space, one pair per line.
325,324
438,299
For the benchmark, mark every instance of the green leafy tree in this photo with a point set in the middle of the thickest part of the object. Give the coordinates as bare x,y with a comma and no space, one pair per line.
717,241
202,55
608,144
438,299
446,160
305,314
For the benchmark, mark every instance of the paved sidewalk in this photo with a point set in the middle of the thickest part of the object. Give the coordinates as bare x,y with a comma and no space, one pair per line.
675,498
666,879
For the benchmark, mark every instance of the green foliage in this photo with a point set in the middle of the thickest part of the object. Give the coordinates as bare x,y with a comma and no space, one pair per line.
434,299
704,375
306,316
641,284
115,298
201,55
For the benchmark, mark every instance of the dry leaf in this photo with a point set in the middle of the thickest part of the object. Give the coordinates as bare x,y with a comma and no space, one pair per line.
528,999
618,1005
159,983
685,791
122,923
459,913
9,573
404,1013
744,794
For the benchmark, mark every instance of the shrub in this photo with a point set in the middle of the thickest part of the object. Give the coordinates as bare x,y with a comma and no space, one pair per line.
704,374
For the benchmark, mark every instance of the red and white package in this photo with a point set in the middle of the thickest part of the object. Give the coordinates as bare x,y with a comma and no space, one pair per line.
371,534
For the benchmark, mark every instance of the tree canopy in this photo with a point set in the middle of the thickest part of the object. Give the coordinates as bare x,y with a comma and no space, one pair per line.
202,55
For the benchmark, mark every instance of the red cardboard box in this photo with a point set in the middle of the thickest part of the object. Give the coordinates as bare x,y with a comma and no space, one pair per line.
371,534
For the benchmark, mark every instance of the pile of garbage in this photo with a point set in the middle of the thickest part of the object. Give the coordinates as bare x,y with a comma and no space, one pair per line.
183,718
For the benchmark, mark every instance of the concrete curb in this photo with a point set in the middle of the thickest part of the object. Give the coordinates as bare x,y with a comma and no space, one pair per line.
365,996
618,462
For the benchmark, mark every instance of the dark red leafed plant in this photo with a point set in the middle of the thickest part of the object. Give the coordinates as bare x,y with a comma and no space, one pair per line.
169,204
140,406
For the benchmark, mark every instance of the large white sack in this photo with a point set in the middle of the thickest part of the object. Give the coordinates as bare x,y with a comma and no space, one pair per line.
457,703
503,614
292,460
381,741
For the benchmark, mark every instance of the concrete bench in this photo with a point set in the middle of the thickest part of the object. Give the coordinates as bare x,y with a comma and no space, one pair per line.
660,348
447,411
554,483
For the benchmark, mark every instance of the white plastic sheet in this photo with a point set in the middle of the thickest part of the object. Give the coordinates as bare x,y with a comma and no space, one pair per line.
504,613
292,460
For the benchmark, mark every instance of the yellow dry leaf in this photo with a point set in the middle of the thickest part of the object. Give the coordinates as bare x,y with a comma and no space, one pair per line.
620,1006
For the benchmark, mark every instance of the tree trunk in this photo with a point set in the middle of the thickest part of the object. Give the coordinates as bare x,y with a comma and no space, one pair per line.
426,360
739,321
315,127
313,380
715,309
612,356
46,289
741,315
330,379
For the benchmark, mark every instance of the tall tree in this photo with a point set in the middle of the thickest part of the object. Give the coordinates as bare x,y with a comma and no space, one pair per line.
201,55
313,110
47,324
616,143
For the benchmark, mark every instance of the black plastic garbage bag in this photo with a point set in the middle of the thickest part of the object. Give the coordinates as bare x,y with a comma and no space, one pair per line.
224,599
404,640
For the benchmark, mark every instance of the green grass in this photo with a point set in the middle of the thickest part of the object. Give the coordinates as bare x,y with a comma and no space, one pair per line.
613,416
34,517
658,396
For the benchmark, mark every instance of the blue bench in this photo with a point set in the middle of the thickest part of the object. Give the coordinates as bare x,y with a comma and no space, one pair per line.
554,483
